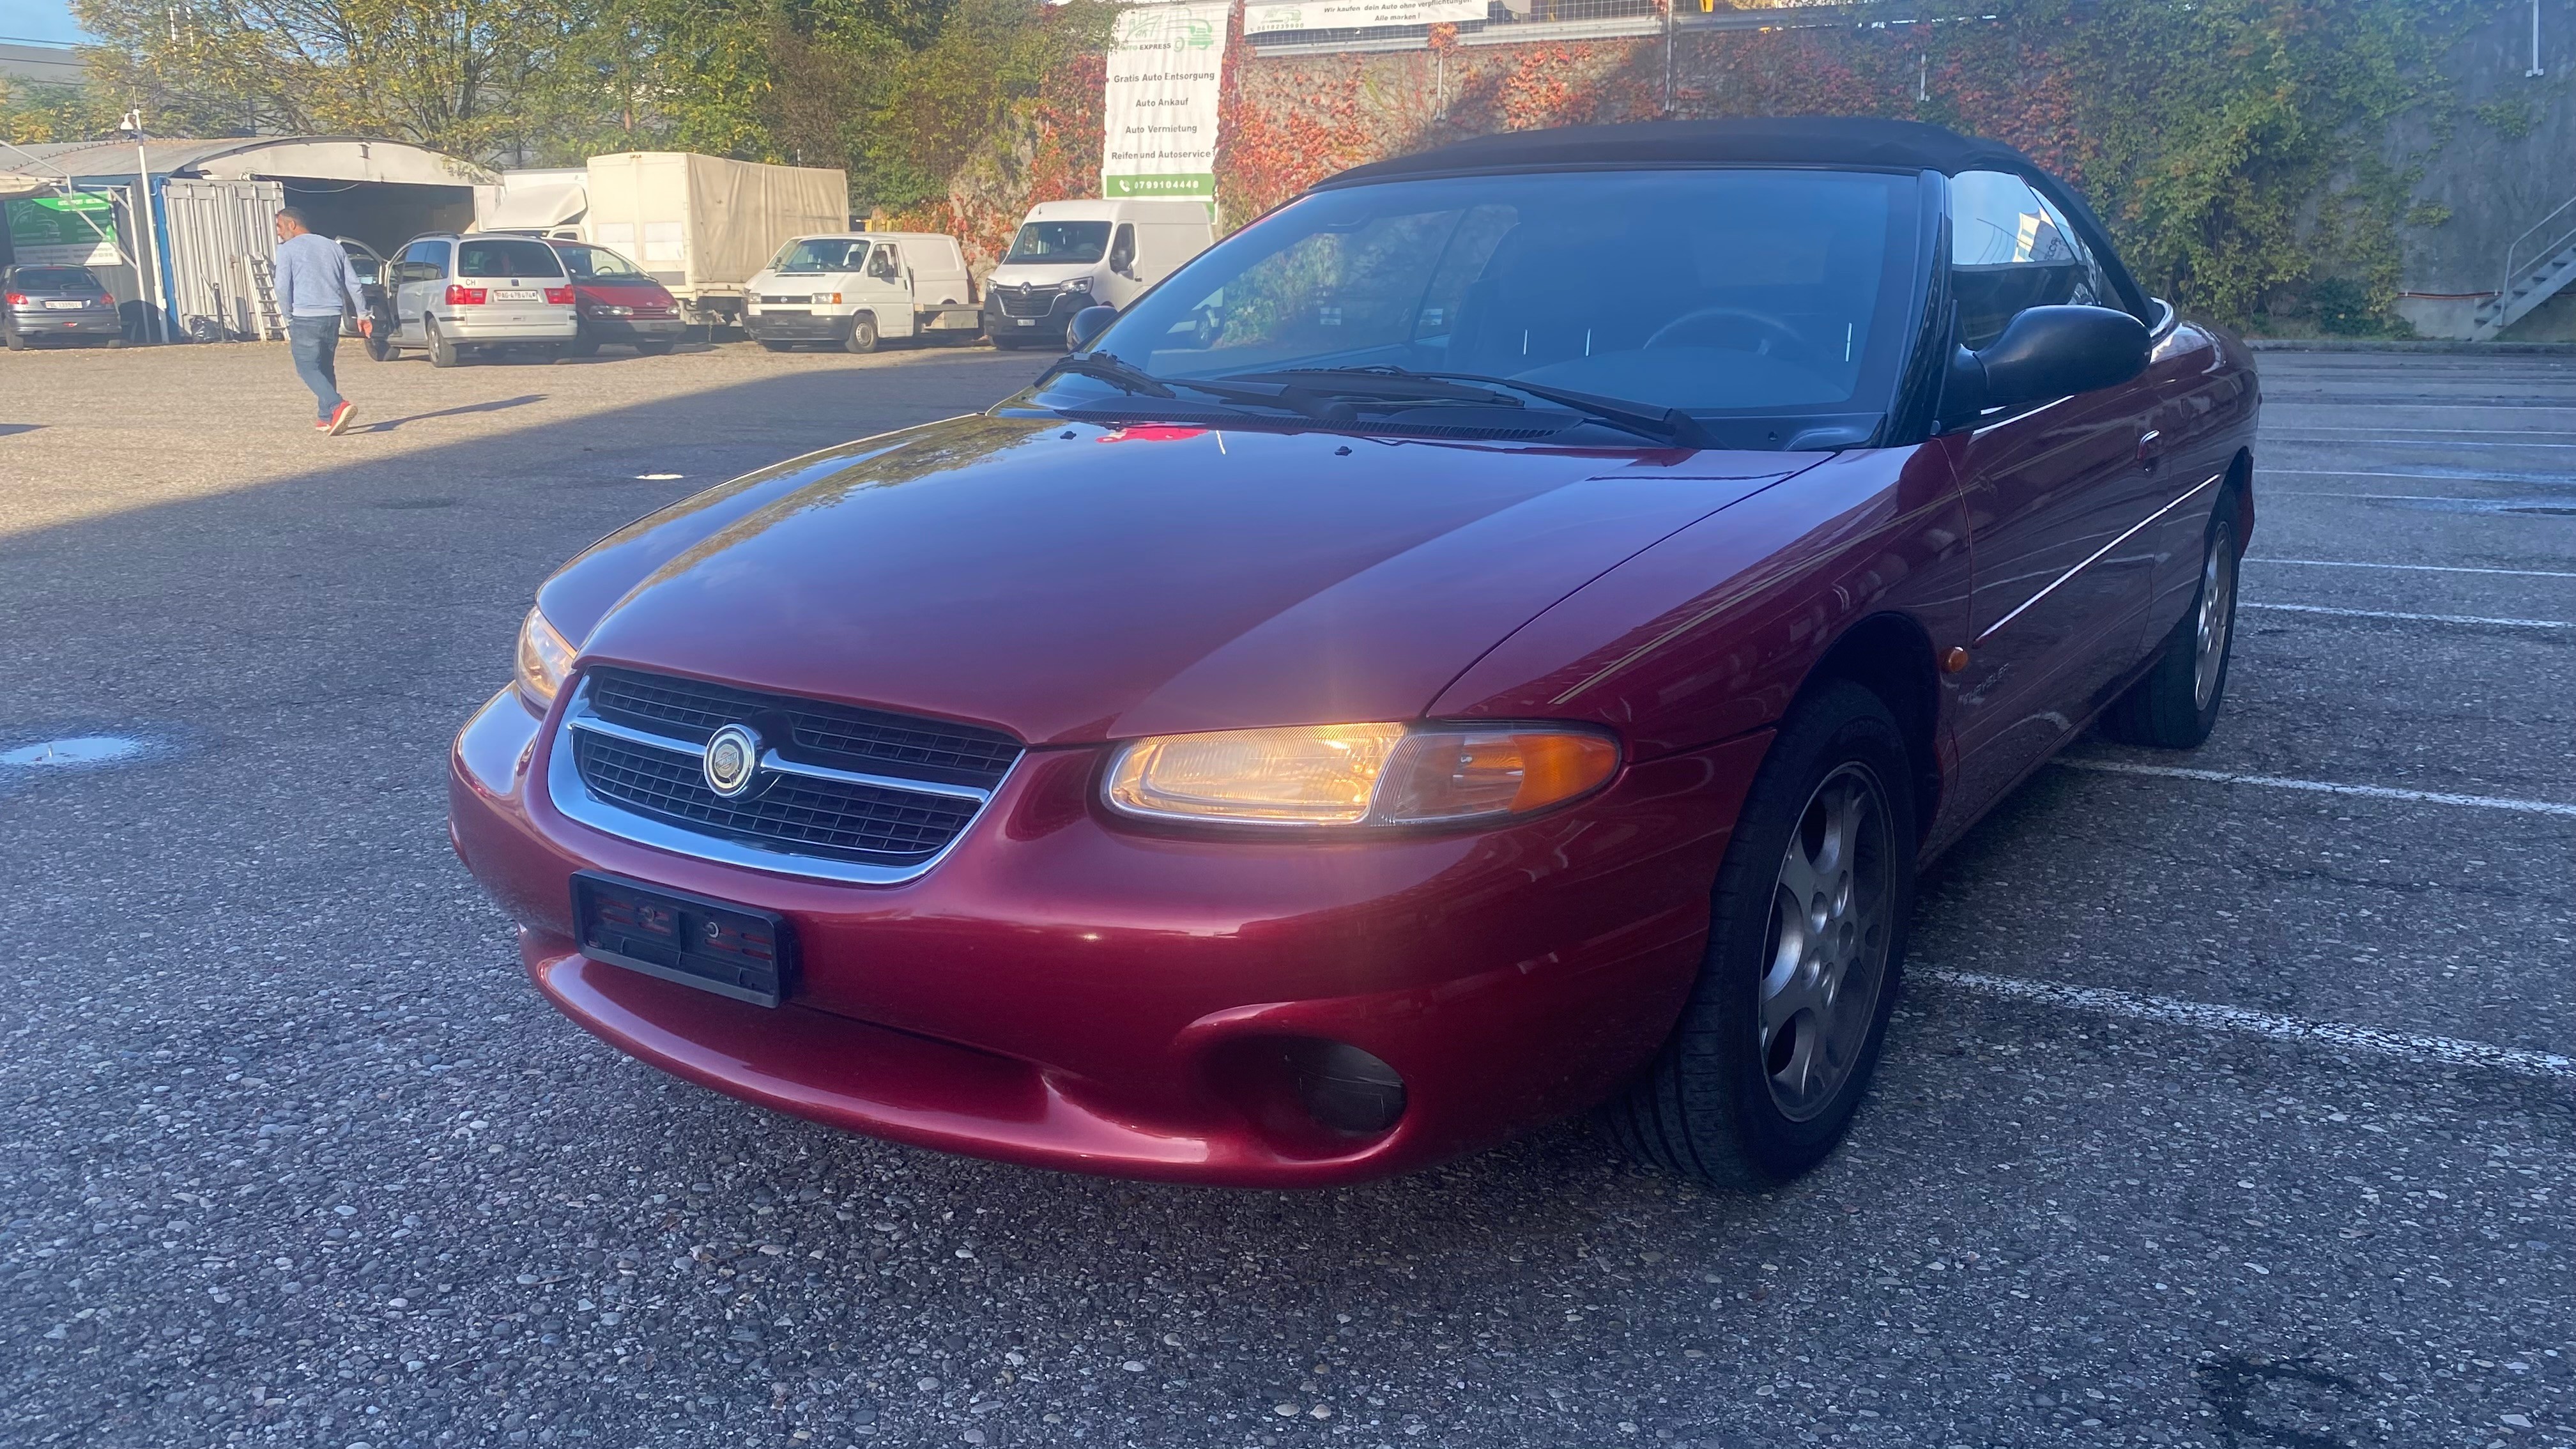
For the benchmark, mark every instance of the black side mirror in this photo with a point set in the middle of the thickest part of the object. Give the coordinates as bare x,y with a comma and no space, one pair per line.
2044,353
1086,327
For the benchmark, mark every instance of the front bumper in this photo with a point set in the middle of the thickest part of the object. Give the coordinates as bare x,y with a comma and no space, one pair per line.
1064,992
635,329
1001,322
769,325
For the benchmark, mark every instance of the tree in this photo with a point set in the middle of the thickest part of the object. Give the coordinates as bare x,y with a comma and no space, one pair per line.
464,76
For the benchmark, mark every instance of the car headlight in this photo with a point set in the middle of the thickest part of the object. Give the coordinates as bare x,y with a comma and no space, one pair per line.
610,309
1359,774
545,657
827,299
1078,284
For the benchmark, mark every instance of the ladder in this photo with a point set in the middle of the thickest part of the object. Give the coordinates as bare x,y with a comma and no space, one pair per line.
263,299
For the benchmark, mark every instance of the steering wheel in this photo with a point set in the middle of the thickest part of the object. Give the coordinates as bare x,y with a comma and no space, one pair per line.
1778,338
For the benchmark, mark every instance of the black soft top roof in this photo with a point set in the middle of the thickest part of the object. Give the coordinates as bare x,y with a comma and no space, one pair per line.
1845,141
1774,140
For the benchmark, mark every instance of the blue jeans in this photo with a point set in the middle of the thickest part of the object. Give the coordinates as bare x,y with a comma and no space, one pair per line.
315,342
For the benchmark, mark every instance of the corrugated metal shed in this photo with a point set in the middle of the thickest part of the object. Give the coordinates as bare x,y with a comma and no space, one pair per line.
284,158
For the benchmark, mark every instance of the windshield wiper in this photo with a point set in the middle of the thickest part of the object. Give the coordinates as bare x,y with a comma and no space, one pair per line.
1119,373
1664,425
1395,385
1110,370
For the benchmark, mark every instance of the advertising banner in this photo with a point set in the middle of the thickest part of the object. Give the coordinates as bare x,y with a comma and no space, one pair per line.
1264,19
62,231
1166,69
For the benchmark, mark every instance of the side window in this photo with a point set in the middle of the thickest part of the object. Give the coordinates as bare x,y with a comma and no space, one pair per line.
1122,252
424,261
885,266
2096,286
2010,250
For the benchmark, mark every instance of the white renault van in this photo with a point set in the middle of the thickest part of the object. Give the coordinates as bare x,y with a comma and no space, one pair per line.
1075,254
855,289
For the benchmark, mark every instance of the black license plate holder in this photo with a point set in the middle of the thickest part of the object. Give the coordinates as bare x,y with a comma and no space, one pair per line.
731,950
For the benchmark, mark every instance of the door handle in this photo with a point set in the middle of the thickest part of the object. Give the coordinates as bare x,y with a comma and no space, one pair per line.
2150,449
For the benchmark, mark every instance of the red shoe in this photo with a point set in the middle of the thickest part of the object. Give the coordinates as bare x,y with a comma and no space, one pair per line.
340,417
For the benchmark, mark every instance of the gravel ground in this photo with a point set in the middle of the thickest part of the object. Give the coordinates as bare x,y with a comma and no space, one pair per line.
290,1152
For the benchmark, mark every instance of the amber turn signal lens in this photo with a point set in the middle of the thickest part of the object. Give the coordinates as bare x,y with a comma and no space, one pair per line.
1464,774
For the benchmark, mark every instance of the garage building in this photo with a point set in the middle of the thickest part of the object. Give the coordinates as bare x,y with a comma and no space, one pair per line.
212,200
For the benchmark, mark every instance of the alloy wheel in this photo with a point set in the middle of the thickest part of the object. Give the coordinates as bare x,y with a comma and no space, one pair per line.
2217,611
1827,948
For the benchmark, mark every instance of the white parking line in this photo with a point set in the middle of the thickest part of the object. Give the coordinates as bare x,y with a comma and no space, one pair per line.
2545,480
2338,563
2138,1006
2324,787
2412,442
2417,618
2401,428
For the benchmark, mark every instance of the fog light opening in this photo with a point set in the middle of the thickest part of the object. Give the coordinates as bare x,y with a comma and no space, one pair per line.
1345,1089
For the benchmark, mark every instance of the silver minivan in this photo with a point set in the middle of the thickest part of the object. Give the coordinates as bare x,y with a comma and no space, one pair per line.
457,294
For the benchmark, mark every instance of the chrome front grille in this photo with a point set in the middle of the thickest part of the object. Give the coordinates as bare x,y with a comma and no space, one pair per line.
842,793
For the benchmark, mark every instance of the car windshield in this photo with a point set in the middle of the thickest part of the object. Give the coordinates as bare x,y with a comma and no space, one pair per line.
362,261
1072,242
496,257
597,264
56,279
1740,295
821,254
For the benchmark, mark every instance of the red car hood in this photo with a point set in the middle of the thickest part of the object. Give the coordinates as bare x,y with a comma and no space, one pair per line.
1071,583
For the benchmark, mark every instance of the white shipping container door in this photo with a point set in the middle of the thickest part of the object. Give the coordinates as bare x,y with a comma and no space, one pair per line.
215,229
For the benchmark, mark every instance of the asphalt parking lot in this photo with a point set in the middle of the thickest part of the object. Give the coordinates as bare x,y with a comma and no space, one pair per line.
2229,1104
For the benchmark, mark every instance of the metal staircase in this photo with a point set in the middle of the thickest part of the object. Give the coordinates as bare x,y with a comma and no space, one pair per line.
2540,263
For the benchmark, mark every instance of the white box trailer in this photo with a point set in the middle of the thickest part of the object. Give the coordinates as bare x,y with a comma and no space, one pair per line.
702,225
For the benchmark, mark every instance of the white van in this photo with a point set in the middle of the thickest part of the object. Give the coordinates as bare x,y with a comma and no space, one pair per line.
1075,254
854,289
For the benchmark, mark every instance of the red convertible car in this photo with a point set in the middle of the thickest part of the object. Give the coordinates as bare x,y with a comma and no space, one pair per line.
1495,637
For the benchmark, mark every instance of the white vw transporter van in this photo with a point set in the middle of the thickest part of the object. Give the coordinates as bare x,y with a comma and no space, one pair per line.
1075,254
855,289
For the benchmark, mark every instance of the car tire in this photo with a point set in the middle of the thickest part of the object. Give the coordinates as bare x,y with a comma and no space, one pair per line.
863,334
2175,705
654,349
380,345
777,346
1004,344
1777,1042
583,344
442,353
12,339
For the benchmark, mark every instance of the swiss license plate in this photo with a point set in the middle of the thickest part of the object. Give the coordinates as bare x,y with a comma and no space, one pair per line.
727,949
514,294
69,306
1028,321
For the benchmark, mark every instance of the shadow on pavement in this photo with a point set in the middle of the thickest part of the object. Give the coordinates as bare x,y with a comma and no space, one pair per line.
498,405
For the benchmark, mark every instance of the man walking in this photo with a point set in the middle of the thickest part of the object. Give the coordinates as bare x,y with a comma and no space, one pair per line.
315,286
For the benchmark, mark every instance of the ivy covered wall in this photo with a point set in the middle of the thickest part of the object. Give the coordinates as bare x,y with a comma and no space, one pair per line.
2290,165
